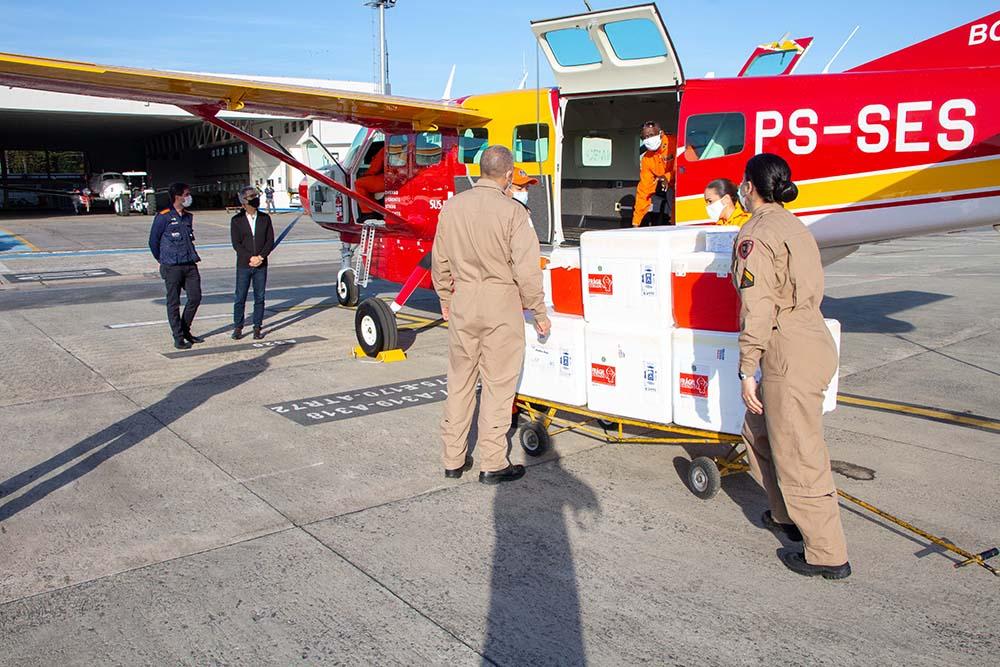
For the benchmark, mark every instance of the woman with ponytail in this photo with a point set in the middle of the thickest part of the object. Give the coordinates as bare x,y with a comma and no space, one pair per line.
777,269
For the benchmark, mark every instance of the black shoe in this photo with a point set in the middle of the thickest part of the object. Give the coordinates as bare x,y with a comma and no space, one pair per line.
191,338
237,333
796,562
508,474
455,473
257,334
182,344
789,530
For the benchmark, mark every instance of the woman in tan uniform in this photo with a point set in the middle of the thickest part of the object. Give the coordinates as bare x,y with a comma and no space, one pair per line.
777,269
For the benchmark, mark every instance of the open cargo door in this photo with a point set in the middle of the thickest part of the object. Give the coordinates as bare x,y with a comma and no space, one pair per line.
776,58
609,50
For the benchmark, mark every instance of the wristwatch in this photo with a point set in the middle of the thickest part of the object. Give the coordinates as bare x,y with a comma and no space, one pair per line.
743,376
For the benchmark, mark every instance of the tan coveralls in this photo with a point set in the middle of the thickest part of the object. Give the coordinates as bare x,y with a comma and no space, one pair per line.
777,269
486,270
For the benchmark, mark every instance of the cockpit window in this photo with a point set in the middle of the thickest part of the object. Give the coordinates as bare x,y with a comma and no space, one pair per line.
635,39
572,47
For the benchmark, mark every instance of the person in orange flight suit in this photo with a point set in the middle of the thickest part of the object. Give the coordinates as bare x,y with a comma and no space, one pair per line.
655,169
373,181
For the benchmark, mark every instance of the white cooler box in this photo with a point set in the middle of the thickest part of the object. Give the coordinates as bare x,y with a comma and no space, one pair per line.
556,369
626,272
705,386
629,373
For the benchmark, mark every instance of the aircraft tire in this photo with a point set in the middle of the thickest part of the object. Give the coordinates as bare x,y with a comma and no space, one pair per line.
375,327
704,479
348,293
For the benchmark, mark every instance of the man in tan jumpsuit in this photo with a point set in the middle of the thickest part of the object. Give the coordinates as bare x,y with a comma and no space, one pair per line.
486,272
777,268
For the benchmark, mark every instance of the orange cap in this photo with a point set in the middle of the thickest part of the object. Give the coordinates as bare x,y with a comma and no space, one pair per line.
521,178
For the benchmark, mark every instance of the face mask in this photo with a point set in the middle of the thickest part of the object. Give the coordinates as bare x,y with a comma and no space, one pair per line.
187,201
715,210
652,143
521,197
744,199
254,202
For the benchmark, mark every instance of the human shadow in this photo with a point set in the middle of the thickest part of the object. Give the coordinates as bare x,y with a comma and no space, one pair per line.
128,432
535,614
870,313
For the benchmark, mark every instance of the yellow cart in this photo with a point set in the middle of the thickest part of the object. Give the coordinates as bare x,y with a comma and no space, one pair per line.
704,478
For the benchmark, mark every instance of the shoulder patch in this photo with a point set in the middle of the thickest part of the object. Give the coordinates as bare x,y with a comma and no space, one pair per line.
166,210
746,280
746,247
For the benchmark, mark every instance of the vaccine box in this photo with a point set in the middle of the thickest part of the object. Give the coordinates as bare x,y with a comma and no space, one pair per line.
555,368
707,392
566,281
703,293
629,372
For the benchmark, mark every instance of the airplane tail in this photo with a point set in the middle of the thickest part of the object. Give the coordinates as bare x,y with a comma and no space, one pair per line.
975,44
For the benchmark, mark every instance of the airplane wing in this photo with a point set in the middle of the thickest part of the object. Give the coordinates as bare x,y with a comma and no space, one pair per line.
193,90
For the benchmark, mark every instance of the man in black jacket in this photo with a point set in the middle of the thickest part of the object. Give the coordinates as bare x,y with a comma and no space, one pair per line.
253,240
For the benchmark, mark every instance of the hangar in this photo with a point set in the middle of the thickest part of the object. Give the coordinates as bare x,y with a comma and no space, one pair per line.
51,142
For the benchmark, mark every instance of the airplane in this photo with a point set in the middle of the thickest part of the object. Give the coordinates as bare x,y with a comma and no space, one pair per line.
904,145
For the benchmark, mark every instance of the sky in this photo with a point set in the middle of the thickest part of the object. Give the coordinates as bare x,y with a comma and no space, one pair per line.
489,42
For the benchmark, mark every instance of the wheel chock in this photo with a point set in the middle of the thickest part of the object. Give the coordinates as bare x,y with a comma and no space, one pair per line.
385,356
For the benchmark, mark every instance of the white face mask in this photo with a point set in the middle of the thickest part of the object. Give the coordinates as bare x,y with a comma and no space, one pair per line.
744,198
652,143
187,201
715,210
521,197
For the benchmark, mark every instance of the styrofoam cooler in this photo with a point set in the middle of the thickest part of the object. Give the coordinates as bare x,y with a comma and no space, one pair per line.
706,389
629,372
830,395
707,392
626,272
556,369
704,296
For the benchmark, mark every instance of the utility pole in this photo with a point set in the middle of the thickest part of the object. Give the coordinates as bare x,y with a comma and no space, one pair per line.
384,87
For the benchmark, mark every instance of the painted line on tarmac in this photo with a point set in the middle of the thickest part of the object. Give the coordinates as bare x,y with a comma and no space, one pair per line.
17,243
964,419
149,323
363,402
257,345
39,254
68,274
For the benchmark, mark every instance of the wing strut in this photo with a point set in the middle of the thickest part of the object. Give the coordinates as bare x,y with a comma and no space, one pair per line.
209,113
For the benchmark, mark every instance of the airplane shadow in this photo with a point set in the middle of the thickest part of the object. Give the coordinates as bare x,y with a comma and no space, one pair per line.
128,432
872,313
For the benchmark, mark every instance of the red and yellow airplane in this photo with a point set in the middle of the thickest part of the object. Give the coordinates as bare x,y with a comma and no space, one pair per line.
904,145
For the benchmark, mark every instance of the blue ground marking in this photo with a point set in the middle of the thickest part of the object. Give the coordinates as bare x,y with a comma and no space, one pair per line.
19,254
10,243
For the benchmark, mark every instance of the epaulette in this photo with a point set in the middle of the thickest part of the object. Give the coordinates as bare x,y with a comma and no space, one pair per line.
166,210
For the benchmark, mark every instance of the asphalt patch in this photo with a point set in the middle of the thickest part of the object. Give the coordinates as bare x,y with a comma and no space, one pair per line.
363,402
852,470
255,345
70,274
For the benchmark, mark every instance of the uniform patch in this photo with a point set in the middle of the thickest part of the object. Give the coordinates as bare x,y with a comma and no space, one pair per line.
746,280
746,247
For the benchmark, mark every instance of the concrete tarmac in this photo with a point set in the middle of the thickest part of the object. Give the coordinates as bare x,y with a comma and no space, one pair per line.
189,510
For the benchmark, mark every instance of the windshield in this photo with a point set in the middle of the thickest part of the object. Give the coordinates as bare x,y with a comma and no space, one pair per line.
359,141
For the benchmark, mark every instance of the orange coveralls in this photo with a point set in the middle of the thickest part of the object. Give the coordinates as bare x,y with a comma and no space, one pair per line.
373,181
654,165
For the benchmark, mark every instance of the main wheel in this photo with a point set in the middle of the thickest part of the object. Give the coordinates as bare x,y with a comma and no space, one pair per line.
122,206
534,439
703,478
347,289
375,326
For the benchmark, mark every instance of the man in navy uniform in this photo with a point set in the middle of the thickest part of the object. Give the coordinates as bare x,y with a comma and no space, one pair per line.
171,240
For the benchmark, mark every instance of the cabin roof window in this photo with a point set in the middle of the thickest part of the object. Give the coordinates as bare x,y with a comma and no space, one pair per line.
531,143
472,142
771,64
635,39
712,135
572,47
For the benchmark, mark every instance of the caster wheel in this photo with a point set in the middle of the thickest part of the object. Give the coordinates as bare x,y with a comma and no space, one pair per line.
534,439
347,289
703,478
375,327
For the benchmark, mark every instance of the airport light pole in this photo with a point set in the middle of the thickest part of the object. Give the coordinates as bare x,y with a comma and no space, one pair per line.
383,74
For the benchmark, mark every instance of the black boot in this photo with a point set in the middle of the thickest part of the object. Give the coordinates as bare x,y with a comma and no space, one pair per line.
509,474
257,334
789,530
182,344
237,333
191,338
796,562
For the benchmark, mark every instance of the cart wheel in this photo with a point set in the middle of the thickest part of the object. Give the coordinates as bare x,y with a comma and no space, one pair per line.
347,289
703,478
534,439
375,327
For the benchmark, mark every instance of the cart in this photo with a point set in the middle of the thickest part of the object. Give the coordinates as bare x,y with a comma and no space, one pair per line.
546,419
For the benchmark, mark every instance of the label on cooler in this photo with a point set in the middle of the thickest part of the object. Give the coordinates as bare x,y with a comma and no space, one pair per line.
603,374
649,376
694,384
565,362
648,280
601,283
720,242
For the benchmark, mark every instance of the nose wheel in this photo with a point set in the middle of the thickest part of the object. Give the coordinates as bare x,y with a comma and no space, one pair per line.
347,288
375,327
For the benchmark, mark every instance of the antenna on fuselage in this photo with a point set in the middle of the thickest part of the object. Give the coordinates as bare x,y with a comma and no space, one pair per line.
826,70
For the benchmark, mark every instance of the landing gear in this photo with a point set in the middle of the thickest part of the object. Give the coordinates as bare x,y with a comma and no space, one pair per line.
375,326
348,293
